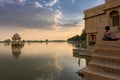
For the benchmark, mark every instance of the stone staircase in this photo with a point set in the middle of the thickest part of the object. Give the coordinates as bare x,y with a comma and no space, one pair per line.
105,64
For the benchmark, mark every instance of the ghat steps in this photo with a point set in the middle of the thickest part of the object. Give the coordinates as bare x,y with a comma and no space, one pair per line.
105,64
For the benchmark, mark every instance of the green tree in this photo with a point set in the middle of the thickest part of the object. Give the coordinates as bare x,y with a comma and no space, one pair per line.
82,37
74,38
7,41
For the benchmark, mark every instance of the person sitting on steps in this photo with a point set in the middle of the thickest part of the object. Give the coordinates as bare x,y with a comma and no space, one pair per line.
109,34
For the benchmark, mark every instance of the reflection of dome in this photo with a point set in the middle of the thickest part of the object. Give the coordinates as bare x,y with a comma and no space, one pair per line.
16,51
16,37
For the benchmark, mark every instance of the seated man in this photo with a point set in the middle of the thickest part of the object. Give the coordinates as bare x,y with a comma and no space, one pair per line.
109,34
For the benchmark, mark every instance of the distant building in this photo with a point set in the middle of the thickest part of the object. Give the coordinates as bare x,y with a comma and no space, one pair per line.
98,17
16,41
16,37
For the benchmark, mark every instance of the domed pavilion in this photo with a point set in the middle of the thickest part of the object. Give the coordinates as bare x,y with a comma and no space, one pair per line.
16,41
16,37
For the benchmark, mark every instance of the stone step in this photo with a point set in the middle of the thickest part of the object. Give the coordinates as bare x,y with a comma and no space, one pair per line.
109,43
96,75
105,62
115,46
107,68
106,59
108,54
108,50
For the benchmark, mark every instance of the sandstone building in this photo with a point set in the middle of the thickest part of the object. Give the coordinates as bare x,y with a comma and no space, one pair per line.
16,41
105,63
97,18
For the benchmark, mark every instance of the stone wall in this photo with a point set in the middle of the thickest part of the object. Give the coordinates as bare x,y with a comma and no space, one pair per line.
98,17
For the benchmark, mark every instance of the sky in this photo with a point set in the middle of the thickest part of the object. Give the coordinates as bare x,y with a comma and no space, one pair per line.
43,19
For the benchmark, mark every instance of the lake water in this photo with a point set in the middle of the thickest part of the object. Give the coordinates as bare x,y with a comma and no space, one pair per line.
40,61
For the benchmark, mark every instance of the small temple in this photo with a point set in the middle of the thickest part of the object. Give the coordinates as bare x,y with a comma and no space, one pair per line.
16,41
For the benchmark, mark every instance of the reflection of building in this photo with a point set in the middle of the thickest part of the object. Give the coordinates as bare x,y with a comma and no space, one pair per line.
79,56
16,51
82,62
98,17
16,41
17,44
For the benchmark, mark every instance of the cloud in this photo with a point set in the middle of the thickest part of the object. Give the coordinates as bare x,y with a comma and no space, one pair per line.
98,2
73,1
69,25
58,15
21,1
44,2
52,2
72,24
4,2
59,7
31,15
37,5
73,21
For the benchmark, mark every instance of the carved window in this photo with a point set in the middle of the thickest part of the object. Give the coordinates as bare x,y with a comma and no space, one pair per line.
92,39
114,18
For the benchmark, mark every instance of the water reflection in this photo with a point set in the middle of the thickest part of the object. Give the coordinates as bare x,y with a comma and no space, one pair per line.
50,69
7,44
39,61
82,59
82,62
16,51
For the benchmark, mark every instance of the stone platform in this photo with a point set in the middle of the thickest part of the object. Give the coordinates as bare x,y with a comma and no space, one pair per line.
105,64
83,52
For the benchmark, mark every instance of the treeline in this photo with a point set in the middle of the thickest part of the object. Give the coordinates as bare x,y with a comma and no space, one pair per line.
45,41
8,41
81,37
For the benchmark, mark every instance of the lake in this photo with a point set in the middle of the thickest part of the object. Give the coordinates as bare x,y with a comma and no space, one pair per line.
40,61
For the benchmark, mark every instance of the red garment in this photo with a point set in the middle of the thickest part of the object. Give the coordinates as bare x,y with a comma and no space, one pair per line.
111,34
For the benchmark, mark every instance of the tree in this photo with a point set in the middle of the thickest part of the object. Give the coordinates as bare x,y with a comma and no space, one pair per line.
74,38
82,37
7,41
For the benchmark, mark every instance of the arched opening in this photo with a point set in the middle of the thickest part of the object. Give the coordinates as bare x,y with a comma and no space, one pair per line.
114,18
92,39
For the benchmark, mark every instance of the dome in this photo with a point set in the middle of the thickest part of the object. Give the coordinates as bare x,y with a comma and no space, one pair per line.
16,37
